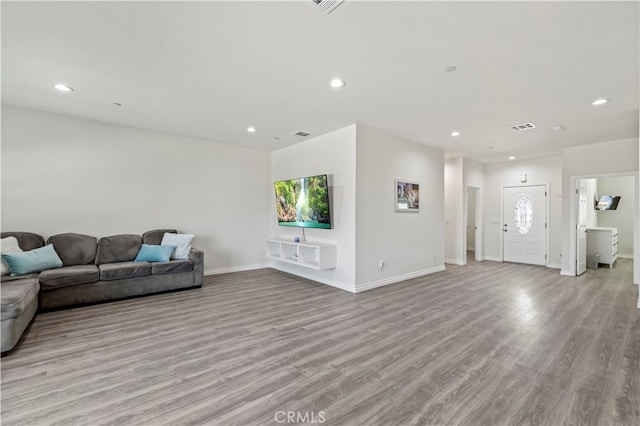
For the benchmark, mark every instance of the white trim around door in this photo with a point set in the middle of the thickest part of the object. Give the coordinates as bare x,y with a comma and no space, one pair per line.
525,228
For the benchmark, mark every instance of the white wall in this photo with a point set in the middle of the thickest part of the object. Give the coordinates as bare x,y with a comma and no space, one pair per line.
333,154
539,171
622,217
410,244
606,158
62,174
473,173
454,250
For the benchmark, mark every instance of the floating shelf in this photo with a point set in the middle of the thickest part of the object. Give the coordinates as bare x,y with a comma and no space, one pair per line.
310,255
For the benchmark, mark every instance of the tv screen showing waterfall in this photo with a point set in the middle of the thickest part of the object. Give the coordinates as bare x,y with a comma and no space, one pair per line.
303,202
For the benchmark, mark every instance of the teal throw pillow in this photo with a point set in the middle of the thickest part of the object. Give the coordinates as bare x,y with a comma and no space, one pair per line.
35,260
153,253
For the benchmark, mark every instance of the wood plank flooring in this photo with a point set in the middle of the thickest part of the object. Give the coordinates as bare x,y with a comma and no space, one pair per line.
485,344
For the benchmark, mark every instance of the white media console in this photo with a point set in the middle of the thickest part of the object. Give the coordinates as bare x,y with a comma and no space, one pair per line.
307,254
605,242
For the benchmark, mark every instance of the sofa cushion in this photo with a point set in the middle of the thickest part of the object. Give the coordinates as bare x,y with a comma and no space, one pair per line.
182,242
75,249
35,260
7,278
172,267
118,248
16,295
8,245
26,240
155,237
117,271
68,276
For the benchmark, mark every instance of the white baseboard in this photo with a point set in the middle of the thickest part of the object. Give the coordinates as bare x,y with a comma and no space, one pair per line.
454,262
625,256
332,283
342,286
230,269
392,280
567,273
497,259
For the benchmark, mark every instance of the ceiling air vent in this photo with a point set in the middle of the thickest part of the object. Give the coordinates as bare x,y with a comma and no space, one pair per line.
302,133
521,127
328,5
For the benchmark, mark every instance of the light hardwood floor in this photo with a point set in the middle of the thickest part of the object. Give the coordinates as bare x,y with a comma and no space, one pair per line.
485,344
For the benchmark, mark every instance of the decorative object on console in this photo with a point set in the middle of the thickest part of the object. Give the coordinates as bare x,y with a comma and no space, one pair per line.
407,196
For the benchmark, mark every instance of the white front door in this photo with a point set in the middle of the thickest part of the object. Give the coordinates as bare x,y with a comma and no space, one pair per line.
581,231
524,224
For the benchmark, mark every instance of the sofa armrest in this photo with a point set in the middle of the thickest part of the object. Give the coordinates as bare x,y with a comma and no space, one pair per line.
197,257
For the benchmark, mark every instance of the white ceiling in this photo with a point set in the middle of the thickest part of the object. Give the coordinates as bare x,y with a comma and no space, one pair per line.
211,69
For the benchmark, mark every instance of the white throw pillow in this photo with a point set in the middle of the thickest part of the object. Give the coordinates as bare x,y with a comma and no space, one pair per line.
8,245
182,243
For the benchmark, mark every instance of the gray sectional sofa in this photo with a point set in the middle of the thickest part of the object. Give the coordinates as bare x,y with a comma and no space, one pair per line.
93,271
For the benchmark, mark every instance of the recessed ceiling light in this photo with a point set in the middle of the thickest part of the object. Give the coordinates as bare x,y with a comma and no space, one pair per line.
450,68
600,101
63,88
512,158
558,128
251,129
336,83
455,133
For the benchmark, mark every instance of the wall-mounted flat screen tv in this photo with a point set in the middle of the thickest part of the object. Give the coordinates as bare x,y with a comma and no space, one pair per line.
608,202
303,202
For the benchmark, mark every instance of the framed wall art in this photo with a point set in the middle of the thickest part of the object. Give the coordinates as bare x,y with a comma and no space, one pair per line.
407,196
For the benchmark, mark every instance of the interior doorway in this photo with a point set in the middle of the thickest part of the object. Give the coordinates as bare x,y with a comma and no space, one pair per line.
473,231
609,233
